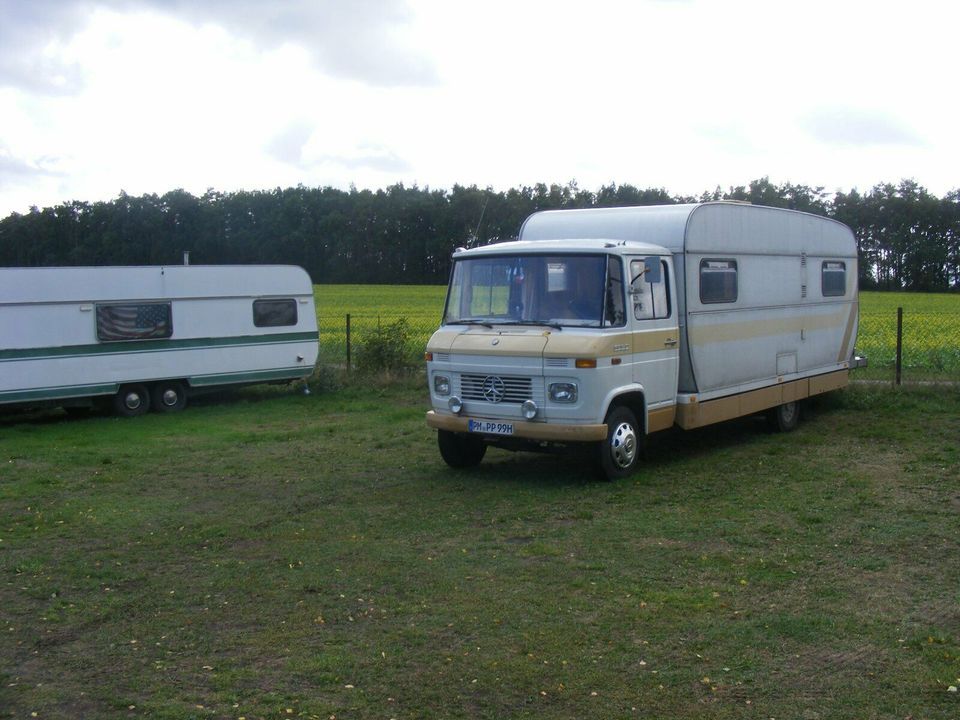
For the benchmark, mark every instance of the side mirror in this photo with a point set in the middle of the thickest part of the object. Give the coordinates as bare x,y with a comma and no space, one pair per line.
651,269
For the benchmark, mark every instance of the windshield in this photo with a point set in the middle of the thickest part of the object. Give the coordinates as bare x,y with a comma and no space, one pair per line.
556,290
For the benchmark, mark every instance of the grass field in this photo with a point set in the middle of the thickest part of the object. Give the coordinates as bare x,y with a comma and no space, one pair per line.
931,325
274,555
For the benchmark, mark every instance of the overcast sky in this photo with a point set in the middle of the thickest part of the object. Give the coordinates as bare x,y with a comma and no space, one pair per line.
144,96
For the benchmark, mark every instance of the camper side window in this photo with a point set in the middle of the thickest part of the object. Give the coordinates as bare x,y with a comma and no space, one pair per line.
140,321
833,279
718,281
651,301
274,313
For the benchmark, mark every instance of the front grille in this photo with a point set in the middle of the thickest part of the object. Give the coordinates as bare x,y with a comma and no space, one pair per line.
496,388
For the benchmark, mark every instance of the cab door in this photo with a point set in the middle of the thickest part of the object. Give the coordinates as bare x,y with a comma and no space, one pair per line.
652,307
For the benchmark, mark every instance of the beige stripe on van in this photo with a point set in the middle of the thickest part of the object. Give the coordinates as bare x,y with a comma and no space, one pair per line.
653,340
623,343
574,345
734,331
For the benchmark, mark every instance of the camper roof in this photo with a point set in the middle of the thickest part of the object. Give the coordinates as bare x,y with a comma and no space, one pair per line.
105,284
699,227
564,246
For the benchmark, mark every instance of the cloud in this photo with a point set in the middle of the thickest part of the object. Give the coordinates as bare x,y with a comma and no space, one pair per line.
287,146
367,157
27,32
301,146
361,40
856,127
14,171
358,40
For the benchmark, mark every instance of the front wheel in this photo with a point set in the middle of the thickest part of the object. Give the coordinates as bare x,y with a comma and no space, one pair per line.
459,450
784,418
131,400
619,454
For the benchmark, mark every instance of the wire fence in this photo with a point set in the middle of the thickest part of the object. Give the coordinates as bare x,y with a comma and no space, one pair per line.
929,345
392,339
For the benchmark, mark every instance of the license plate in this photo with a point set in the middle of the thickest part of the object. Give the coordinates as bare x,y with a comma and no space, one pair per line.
489,427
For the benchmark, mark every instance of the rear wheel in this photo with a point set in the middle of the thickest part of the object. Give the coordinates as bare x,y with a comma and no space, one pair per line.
784,418
168,396
131,400
619,454
459,450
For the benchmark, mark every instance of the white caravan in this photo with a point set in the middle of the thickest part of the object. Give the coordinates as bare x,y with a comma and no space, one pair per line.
604,325
146,336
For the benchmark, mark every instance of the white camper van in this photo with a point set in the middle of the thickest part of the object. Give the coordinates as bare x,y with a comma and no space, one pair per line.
148,336
604,325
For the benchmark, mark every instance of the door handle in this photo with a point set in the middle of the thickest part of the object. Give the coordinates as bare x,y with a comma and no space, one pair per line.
670,341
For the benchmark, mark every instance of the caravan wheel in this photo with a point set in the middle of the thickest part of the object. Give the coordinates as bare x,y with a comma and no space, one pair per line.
169,396
131,400
784,418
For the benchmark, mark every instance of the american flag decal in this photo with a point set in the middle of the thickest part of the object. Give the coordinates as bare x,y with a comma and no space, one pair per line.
134,322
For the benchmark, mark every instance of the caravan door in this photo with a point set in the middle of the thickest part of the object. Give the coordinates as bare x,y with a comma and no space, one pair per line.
656,335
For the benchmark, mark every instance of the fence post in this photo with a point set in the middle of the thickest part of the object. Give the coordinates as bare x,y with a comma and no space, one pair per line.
899,344
348,341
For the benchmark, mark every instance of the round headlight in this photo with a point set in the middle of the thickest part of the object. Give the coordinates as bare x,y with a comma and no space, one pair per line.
455,405
529,409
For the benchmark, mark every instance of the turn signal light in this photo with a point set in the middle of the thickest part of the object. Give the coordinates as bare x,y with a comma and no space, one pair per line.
428,356
587,363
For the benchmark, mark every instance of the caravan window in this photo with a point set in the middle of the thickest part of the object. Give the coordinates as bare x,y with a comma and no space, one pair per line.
833,279
718,281
274,313
140,321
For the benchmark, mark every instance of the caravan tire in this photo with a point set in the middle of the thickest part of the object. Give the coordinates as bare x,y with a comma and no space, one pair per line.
131,400
459,450
168,396
619,454
784,418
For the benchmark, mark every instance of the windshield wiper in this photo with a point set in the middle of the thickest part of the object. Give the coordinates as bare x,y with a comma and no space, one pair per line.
472,322
554,325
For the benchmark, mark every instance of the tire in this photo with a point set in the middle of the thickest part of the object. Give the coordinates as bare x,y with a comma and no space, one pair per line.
619,455
168,396
131,400
784,418
459,450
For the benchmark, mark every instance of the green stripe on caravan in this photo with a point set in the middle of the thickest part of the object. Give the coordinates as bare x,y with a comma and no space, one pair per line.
249,377
69,391
145,346
57,393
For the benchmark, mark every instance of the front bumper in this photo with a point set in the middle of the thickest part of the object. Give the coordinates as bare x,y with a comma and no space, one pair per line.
547,432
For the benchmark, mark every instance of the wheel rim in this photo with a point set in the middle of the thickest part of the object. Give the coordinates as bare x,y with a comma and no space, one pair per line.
787,412
169,397
623,445
132,400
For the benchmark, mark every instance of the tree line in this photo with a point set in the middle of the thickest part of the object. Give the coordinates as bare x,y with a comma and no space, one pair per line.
908,239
